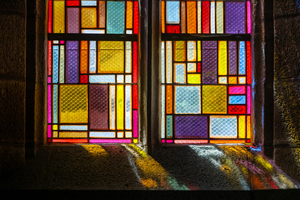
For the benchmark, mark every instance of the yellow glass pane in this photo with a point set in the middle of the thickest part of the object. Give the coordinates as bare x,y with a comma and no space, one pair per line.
199,50
102,14
59,17
120,107
232,80
249,132
199,16
169,99
183,17
110,57
242,123
129,14
83,57
54,127
214,99
73,134
73,105
88,17
222,58
163,16
55,134
220,17
191,50
179,51
191,16
135,140
194,78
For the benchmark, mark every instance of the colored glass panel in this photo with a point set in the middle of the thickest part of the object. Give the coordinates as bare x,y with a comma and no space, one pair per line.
249,129
50,8
212,17
163,62
214,99
172,12
128,107
248,100
110,57
55,103
232,80
49,107
191,56
115,17
191,127
72,62
191,16
135,63
102,14
169,61
135,124
59,17
163,100
232,57
163,16
187,100
180,53
209,62
169,126
73,20
235,17
236,109
191,67
199,17
237,90
49,60
136,17
220,22
183,17
55,64
88,17
129,16
249,22
242,128
222,58
169,99
249,63
173,29
199,50
194,78
112,106
62,64
73,134
83,57
223,126
205,16
179,73
88,3
73,3
237,99
120,107
242,65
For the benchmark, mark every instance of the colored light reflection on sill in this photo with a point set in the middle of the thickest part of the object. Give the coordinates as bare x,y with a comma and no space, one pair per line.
110,140
190,141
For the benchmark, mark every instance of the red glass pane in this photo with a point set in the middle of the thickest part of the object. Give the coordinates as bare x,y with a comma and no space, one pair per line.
173,29
136,17
49,59
249,76
248,141
73,3
135,97
50,17
83,79
135,63
205,16
199,67
236,109
49,140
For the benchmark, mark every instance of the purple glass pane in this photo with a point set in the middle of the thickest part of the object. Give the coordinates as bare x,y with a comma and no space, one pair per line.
73,20
235,17
232,58
209,62
190,127
72,61
98,101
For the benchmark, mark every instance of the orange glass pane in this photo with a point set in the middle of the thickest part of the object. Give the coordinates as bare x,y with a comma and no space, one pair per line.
163,17
129,14
249,127
83,57
169,99
183,17
89,18
227,141
102,14
191,16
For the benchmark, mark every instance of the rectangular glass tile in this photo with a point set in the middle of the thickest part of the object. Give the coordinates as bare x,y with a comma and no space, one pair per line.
183,17
102,79
249,132
169,99
242,63
101,14
115,17
129,14
88,3
249,22
199,17
75,128
84,57
163,100
187,100
242,128
214,99
223,126
237,100
248,100
232,58
135,124
191,67
59,17
222,58
75,111
128,78
191,51
110,57
92,57
220,15
120,107
209,62
88,17
169,62
191,127
180,52
194,78
169,126
110,134
128,134
49,104
205,16
49,58
179,73
191,16
163,26
55,64
199,50
62,64
73,20
172,12
73,134
163,62
249,63
112,106
50,12
128,57
128,107
92,31
232,80
136,17
235,17
98,107
55,104
212,17
237,90
72,58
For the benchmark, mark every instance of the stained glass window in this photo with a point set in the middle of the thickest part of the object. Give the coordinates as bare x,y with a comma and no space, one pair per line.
206,72
92,71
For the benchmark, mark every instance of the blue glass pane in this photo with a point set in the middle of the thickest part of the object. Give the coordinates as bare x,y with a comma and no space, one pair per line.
55,64
223,127
88,3
115,17
55,104
179,77
169,126
237,100
242,64
172,12
92,56
187,99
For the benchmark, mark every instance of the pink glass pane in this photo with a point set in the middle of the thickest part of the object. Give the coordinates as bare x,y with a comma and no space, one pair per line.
73,20
237,89
248,17
110,140
135,124
49,131
190,141
49,79
49,104
248,99
169,141
163,141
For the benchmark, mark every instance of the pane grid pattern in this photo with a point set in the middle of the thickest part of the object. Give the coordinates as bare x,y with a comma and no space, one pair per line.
92,83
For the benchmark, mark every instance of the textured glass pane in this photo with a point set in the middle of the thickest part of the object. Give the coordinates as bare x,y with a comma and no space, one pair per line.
242,128
179,73
249,63
169,99
212,17
232,58
169,125
120,107
205,16
248,100
102,79
199,50
222,58
191,67
92,56
232,80
101,14
73,134
73,20
249,21
209,62
72,61
129,15
191,127
88,3
223,127
103,134
98,108
111,57
172,12
162,62
89,17
214,99
220,17
120,78
112,92
83,57
183,17
194,78
128,57
55,64
62,64
242,64
128,107
115,17
163,97
235,17
59,17
169,62
75,111
55,104
249,132
163,26
191,50
237,100
199,16
187,99
191,16
78,128
179,51
237,90
93,31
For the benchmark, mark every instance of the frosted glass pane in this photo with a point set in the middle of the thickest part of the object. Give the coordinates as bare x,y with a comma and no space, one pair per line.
172,12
